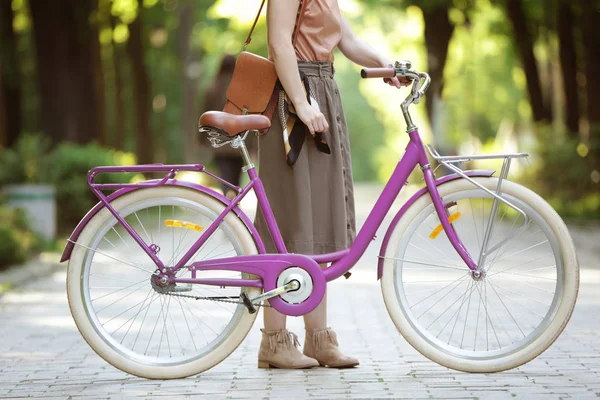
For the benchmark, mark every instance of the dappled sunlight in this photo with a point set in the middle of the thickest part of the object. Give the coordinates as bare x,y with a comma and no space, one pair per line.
16,298
240,12
55,322
402,41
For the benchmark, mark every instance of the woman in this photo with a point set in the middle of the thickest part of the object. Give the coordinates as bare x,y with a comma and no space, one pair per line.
312,199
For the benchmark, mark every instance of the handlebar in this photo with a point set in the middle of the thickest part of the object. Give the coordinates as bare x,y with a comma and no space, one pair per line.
402,68
378,73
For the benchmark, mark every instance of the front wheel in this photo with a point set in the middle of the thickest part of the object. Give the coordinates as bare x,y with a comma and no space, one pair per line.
133,323
491,322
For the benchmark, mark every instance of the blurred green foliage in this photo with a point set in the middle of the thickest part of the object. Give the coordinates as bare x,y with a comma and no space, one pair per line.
16,241
68,168
561,174
65,167
26,161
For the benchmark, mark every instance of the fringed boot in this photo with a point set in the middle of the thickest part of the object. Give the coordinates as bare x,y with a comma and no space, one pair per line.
322,345
279,349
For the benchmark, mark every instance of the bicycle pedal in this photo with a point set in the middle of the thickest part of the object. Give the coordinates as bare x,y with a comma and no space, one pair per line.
248,303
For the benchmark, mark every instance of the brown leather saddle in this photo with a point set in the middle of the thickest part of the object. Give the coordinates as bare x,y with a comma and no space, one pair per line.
232,125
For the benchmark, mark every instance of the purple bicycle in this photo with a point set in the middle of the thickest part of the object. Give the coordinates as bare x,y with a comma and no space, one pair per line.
478,273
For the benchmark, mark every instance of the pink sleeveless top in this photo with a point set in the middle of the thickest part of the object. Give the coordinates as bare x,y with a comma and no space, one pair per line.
320,32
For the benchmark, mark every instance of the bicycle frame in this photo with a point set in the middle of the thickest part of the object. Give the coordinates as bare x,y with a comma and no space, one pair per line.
342,261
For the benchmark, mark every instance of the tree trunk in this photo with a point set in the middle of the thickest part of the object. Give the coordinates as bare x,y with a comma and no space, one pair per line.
438,32
568,65
590,28
65,47
10,79
189,90
98,81
524,43
141,89
2,114
119,104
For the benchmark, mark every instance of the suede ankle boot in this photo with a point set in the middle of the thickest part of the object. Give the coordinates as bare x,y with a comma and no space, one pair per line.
279,349
322,345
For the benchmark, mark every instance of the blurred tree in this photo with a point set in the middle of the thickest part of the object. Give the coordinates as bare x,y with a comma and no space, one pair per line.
66,69
66,43
590,25
525,41
141,88
438,32
189,89
10,78
119,88
568,64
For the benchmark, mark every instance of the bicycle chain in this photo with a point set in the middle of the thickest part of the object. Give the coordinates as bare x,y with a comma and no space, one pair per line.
213,299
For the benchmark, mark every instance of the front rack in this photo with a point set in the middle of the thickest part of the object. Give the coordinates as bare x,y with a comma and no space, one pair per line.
450,161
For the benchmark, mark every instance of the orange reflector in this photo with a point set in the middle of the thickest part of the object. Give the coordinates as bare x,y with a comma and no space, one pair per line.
175,223
438,229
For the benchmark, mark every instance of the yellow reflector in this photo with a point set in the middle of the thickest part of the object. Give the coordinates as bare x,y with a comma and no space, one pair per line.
175,223
438,229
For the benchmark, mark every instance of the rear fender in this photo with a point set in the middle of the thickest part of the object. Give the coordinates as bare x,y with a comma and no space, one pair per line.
113,196
406,206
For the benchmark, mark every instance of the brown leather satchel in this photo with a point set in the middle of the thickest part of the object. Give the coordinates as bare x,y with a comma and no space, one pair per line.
252,87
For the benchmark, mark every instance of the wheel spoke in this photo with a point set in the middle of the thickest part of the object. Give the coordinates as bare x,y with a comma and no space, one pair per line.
470,286
475,225
116,291
434,304
464,297
465,268
520,265
506,308
425,298
96,251
516,302
145,231
148,296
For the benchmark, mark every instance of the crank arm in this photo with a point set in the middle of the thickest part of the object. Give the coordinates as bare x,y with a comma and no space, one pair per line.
288,287
181,288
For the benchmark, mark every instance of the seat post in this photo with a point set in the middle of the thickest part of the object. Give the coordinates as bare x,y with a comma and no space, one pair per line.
240,143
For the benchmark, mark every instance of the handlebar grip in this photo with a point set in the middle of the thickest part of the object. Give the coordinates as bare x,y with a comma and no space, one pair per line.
378,73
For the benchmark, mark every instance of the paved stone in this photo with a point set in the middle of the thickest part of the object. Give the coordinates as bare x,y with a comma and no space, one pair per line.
43,355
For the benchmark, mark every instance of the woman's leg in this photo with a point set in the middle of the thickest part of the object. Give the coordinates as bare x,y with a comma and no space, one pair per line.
274,320
320,341
317,318
278,347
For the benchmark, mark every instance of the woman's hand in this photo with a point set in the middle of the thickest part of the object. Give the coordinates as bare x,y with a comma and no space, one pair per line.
313,119
395,81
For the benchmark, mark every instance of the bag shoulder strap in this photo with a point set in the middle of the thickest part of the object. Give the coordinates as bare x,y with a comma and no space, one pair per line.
299,18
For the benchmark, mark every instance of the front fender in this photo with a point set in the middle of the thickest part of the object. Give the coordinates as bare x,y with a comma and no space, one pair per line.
190,185
421,192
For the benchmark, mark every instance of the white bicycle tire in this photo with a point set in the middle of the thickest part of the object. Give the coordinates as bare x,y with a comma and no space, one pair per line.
530,351
86,327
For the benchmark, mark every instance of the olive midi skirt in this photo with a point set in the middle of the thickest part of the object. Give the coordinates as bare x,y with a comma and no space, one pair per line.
312,200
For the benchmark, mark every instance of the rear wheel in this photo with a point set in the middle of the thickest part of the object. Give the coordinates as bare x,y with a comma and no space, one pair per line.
133,323
493,322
